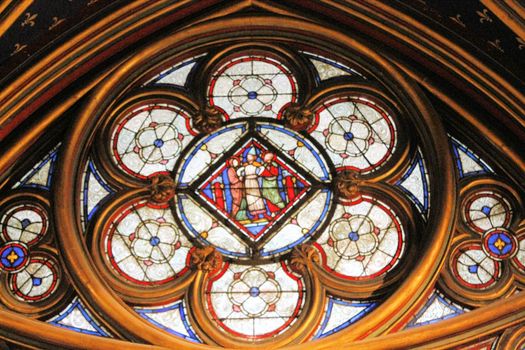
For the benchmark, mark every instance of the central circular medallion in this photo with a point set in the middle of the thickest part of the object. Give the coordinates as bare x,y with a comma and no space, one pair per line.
348,136
272,198
158,143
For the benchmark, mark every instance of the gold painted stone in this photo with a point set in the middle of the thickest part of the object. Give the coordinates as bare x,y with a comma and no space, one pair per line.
208,120
347,183
303,256
162,188
297,118
206,259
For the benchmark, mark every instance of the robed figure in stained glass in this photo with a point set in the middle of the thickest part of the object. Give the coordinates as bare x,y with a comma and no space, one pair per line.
236,185
250,171
270,188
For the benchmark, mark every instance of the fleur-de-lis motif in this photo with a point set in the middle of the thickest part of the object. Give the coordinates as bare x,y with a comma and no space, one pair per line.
484,16
457,19
496,44
18,47
56,22
521,43
29,20
432,11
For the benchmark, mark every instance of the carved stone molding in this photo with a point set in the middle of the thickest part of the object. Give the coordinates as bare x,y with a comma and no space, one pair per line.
162,188
208,120
348,184
206,259
302,257
297,118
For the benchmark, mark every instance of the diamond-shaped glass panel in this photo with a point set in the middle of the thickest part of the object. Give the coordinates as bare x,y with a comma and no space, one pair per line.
254,188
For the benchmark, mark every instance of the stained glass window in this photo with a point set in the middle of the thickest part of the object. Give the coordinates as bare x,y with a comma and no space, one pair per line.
238,198
256,189
95,192
77,318
468,163
38,280
25,223
176,75
34,271
327,68
415,183
41,174
145,246
341,313
487,210
363,240
489,252
437,307
172,318
255,302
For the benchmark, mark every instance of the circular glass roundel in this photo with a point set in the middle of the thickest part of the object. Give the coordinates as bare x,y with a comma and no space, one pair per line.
255,302
37,281
145,246
150,139
252,86
25,223
473,268
14,256
358,134
499,244
486,210
255,198
364,240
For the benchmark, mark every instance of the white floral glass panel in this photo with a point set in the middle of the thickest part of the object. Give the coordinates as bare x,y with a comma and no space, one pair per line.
144,245
363,240
150,139
255,302
437,308
77,318
358,134
252,86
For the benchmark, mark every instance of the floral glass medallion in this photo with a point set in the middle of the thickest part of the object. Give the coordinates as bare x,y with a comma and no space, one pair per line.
150,139
252,86
145,246
255,302
241,192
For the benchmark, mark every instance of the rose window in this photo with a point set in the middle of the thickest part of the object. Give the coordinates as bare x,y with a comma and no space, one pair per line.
259,195
252,201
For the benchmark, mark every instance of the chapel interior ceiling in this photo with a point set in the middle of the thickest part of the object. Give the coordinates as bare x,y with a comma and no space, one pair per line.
44,24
